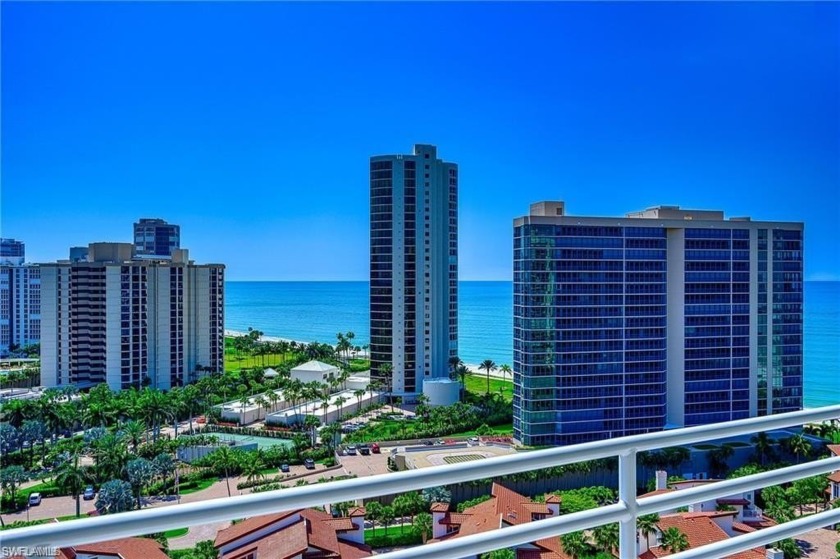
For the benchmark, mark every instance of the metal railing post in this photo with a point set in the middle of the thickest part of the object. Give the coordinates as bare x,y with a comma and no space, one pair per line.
627,496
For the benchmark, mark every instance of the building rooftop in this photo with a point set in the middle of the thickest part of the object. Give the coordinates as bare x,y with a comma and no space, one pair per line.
124,548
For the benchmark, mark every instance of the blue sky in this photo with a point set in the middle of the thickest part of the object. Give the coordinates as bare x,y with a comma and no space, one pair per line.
251,124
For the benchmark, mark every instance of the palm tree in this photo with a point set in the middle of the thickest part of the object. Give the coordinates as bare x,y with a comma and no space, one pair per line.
325,405
164,466
156,410
134,431
339,403
224,459
423,524
606,537
96,414
454,363
488,365
799,446
274,398
674,540
252,470
140,473
717,460
461,371
263,403
71,477
192,400
647,526
359,394
574,544
506,370
763,447
386,370
312,423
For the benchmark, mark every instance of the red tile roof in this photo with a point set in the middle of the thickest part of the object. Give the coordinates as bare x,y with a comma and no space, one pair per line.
741,527
313,528
351,550
553,499
835,477
835,449
247,526
127,548
700,530
710,513
455,518
288,542
763,522
439,507
356,511
505,506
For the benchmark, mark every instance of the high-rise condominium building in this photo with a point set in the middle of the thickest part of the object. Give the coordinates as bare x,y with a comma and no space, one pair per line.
12,252
414,271
663,318
20,298
20,306
125,321
155,238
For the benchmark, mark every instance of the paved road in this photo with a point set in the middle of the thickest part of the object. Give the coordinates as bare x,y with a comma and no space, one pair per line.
54,507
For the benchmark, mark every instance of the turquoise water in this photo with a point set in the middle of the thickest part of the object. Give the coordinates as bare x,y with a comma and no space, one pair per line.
316,311
262,442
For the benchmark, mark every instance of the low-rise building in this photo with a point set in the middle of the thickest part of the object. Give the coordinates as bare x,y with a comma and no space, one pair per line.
834,477
294,535
124,548
700,528
743,504
505,508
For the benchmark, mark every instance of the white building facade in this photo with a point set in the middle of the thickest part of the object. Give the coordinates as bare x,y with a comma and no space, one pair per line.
413,268
20,298
129,322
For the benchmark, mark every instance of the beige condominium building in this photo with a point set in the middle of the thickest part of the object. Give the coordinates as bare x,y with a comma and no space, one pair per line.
128,322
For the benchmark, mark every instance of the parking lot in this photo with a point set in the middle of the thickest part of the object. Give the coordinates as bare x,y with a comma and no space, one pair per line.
370,465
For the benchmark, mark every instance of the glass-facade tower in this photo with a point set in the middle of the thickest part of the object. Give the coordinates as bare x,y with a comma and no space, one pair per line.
655,320
155,238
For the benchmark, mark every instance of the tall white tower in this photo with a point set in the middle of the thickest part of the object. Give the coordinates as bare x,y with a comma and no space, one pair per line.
413,270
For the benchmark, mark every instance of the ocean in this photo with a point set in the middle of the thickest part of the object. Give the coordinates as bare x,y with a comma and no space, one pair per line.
317,311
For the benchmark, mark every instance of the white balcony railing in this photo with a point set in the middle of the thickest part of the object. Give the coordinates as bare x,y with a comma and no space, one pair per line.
625,512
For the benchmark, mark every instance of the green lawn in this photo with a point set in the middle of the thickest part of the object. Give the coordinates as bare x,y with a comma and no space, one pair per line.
376,537
498,430
384,430
477,384
11,525
234,363
199,486
176,533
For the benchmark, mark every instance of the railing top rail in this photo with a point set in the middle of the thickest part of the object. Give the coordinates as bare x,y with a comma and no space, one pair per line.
162,518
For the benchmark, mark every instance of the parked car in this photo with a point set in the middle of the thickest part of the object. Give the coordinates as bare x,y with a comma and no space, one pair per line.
309,463
374,448
284,468
351,449
428,443
364,449
89,493
34,499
